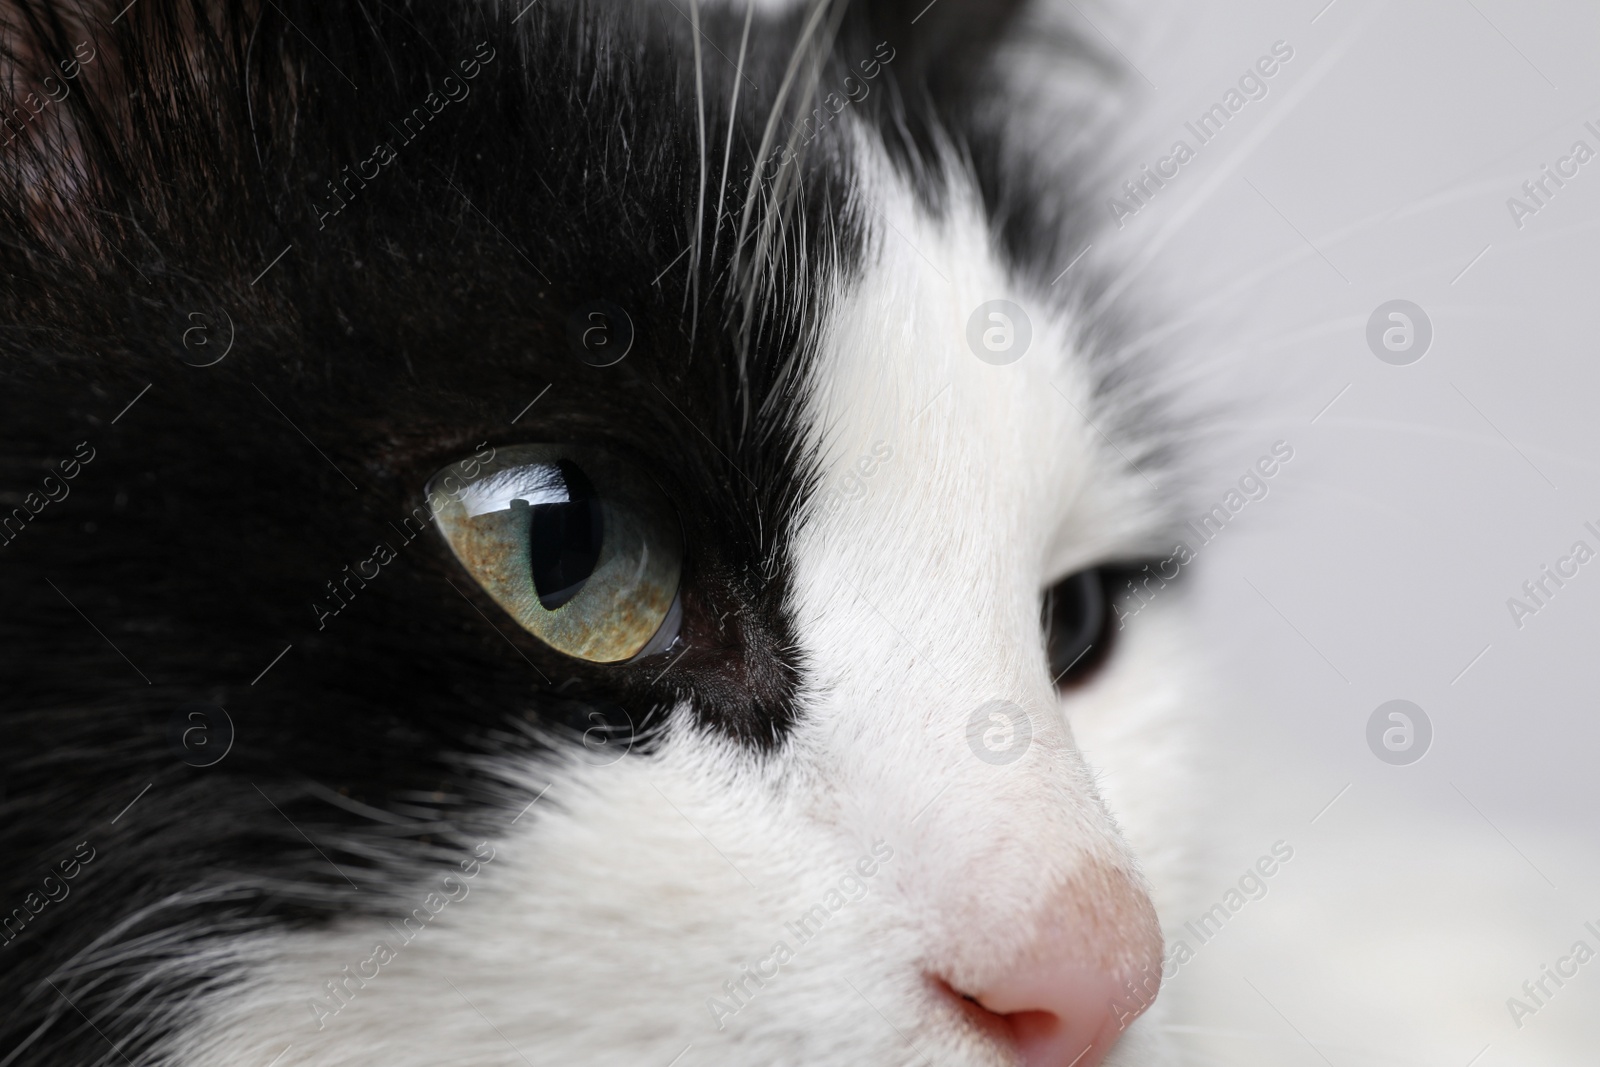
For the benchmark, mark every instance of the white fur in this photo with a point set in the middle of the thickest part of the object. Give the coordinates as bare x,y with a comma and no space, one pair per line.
629,893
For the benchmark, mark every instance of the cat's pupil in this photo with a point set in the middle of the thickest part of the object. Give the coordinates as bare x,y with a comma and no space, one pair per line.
564,540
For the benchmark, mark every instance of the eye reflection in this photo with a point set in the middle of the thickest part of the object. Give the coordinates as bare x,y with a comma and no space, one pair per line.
581,550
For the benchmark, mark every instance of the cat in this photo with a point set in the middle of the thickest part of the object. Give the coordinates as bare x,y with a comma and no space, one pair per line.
600,542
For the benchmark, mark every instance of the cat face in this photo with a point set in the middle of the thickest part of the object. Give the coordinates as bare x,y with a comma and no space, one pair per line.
592,476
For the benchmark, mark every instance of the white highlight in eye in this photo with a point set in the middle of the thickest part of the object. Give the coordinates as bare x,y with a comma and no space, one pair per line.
536,484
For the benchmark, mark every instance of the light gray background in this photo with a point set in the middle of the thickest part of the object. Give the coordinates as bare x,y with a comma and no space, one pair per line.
1379,567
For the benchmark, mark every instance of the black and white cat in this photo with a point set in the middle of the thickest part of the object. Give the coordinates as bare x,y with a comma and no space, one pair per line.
573,533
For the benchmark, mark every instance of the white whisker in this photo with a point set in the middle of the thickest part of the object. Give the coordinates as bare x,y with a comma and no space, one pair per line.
778,200
733,113
768,134
700,210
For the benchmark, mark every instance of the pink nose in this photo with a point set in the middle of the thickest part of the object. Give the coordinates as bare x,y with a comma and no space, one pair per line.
1086,977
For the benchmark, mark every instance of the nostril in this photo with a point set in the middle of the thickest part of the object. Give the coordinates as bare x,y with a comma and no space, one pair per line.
1045,1042
1089,1014
1060,1016
997,1027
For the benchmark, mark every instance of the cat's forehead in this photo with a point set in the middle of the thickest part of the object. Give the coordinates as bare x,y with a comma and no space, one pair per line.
459,198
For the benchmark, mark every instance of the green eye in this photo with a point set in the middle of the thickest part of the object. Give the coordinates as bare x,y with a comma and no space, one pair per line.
581,550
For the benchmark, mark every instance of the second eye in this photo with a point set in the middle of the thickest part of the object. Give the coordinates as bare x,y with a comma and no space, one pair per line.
1077,635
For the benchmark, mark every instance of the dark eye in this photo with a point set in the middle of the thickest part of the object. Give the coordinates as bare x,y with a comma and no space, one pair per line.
1077,634
580,549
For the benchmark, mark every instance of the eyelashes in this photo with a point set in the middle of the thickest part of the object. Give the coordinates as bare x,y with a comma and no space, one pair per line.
580,549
